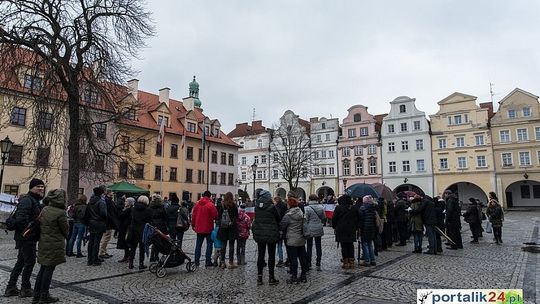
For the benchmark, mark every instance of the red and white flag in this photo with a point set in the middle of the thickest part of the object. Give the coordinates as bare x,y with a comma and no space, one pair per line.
184,138
161,134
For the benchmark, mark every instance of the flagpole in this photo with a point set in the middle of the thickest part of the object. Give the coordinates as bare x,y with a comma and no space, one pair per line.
162,156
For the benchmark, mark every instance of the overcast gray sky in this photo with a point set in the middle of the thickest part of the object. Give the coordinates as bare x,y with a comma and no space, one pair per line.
318,57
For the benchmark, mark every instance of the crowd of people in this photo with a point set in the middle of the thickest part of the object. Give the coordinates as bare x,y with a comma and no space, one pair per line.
57,228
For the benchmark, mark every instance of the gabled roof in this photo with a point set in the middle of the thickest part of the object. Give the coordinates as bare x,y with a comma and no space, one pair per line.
516,90
452,98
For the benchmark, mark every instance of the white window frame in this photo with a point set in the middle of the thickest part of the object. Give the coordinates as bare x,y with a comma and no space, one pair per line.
372,163
478,163
419,144
358,150
459,166
458,139
528,111
417,123
513,115
391,128
518,134
404,165
511,164
420,165
359,168
481,142
441,167
364,131
351,132
507,132
405,145
528,153
391,147
403,127
372,149
443,140
392,167
537,133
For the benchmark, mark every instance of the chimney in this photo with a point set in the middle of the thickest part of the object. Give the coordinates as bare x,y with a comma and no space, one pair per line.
256,124
164,96
133,87
313,119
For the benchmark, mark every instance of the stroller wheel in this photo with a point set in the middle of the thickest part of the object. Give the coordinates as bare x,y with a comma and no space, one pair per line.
191,267
161,272
153,267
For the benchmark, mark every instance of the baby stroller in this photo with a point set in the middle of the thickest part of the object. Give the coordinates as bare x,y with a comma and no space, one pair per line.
172,255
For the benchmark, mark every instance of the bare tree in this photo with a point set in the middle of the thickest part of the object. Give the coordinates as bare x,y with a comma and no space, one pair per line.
290,144
70,55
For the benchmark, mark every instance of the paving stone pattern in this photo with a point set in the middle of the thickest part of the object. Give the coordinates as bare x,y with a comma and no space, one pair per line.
394,280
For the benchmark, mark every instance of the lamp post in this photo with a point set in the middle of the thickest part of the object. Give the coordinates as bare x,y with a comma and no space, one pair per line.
254,169
344,185
5,147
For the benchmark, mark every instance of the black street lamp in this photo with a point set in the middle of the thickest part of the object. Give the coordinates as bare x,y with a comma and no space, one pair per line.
5,147
254,169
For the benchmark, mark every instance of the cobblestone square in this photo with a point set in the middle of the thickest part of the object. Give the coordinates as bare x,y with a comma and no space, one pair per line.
394,280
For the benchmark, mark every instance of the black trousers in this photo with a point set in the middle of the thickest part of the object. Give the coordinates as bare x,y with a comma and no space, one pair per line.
224,250
26,259
295,254
261,251
403,233
347,250
476,230
318,250
497,233
386,236
43,280
93,246
453,230
141,252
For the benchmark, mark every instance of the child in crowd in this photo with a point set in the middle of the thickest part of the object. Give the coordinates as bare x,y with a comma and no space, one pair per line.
244,225
217,245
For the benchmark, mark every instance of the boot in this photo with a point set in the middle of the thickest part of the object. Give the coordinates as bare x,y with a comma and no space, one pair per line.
272,280
11,291
259,280
345,263
130,265
303,277
26,293
292,280
46,298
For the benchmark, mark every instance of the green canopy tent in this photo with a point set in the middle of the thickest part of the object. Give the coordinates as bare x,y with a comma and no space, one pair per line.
125,188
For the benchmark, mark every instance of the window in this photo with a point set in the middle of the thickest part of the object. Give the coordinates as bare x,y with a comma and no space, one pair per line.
442,143
223,158
511,113
15,155
419,144
45,121
33,82
538,156
18,116
524,158
244,175
165,120
256,159
504,135
331,170
364,131
373,166
276,157
231,159
507,160
525,191
351,132
223,178
416,125
11,189
466,118
174,151
457,119
319,138
392,166
123,169
460,141
449,120
372,149
323,154
403,127
213,157
173,174
346,168
406,166
526,112
327,137
462,162
479,140
391,128
191,127
263,159
358,167
101,130
200,176
231,179
99,163
213,178
323,171
159,148
536,191
90,95
259,143
157,173
357,117
130,114
201,155
189,175
537,133
275,174
481,161
259,174
346,151
443,163
42,157
405,146
420,165
358,150
330,154
139,171
323,126
402,108
244,161
522,134
189,153
391,147
124,147
83,161
316,171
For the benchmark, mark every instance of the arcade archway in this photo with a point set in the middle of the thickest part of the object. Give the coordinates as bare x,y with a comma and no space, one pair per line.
281,193
324,191
409,187
466,190
524,193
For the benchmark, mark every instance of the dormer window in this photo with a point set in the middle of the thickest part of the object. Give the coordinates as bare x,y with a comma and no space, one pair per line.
216,132
357,117
526,112
511,114
206,130
90,95
191,127
165,120
130,114
323,126
33,82
402,108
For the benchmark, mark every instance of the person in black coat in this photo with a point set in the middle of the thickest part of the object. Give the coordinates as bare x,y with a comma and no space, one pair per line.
368,229
172,216
141,215
281,206
429,219
439,210
96,212
345,223
124,220
402,218
389,224
228,232
453,220
159,220
473,219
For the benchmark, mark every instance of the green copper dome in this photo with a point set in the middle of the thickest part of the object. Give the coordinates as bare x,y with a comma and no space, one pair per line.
197,103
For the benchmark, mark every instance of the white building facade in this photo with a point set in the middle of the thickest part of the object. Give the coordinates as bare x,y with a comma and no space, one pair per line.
406,148
324,172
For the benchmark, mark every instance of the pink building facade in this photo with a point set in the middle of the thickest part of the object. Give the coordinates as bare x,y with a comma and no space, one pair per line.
359,149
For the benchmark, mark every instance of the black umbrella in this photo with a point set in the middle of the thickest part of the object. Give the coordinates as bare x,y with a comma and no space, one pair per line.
361,190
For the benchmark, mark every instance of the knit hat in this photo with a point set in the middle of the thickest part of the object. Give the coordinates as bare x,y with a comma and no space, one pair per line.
345,200
98,191
35,182
367,199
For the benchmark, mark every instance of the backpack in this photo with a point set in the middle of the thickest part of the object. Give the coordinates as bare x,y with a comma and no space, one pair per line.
225,219
71,211
11,221
182,221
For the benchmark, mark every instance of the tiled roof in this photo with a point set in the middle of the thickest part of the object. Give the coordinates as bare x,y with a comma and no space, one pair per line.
489,106
244,129
378,121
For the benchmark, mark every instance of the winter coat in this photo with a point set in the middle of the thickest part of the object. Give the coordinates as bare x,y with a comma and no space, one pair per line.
265,227
390,212
159,216
453,211
427,211
495,215
345,222
439,211
28,209
54,230
78,212
314,216
230,233
292,226
124,220
416,222
112,214
172,215
282,209
203,216
140,216
244,225
215,240
97,209
471,215
401,211
367,222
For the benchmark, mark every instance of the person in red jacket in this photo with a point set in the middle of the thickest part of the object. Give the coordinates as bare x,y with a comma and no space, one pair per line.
202,220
